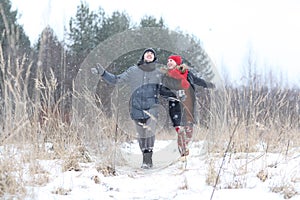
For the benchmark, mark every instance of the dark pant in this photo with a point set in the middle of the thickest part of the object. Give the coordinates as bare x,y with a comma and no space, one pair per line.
175,112
146,134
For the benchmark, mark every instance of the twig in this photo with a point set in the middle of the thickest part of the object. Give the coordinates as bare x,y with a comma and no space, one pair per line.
223,161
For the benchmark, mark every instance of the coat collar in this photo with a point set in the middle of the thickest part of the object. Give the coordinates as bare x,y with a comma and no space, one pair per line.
148,67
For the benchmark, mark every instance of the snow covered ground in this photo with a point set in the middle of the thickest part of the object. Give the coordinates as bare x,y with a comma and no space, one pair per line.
244,176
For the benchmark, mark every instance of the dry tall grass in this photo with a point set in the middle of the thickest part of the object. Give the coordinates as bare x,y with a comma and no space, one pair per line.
244,119
32,131
248,119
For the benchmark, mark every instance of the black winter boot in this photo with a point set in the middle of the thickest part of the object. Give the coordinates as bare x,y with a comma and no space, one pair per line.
147,159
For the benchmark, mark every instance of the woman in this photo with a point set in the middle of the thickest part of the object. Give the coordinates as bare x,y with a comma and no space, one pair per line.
181,110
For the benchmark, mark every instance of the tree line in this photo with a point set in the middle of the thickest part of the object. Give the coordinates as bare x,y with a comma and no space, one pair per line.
46,70
51,59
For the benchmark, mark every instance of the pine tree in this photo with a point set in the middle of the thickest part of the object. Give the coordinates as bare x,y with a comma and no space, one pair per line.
150,21
51,71
14,54
13,39
117,23
83,32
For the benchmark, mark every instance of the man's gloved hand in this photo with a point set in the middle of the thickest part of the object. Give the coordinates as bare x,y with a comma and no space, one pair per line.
98,69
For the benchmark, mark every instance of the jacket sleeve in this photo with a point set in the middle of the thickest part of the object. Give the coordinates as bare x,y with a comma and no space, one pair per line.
201,82
166,93
116,79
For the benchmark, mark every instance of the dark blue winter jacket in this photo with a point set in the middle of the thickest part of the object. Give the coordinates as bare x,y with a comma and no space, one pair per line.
144,82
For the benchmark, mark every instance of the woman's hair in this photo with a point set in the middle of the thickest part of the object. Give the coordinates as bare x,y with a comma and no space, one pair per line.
182,68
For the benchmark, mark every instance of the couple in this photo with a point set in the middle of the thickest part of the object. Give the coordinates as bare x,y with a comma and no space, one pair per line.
147,80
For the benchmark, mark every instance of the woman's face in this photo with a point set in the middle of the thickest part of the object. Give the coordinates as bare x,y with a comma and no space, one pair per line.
171,64
149,56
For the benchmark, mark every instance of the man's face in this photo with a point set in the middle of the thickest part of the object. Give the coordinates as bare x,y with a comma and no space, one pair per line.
148,56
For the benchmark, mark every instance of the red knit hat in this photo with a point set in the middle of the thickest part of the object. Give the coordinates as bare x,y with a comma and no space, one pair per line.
176,58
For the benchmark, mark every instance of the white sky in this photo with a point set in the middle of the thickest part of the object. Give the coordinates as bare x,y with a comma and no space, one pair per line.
229,29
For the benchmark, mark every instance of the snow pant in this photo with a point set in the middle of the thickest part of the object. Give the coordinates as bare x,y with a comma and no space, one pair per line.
146,134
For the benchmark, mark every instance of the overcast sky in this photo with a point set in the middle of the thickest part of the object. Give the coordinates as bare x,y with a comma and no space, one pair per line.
229,29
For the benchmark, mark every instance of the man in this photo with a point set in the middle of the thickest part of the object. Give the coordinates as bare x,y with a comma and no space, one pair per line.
144,80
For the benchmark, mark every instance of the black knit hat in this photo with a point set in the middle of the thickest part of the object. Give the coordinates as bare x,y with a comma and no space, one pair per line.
151,50
141,61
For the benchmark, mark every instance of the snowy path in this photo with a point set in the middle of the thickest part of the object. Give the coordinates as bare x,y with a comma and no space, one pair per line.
170,182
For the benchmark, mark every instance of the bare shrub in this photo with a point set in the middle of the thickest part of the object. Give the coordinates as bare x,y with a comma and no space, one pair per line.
287,190
262,175
62,191
265,117
184,185
10,179
212,174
